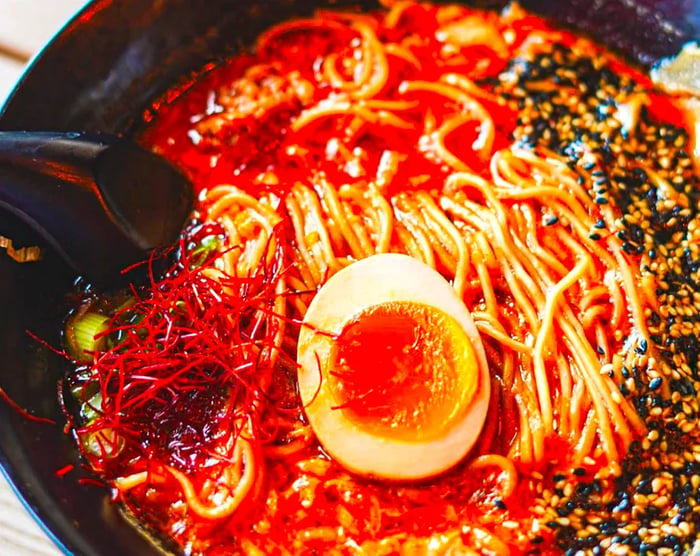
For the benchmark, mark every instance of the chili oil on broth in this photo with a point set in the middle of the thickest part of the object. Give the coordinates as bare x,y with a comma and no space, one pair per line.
552,185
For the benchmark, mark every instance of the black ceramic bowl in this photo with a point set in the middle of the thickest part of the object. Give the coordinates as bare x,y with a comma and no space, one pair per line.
99,74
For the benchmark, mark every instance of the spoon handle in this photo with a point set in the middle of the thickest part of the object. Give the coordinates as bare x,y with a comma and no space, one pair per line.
102,202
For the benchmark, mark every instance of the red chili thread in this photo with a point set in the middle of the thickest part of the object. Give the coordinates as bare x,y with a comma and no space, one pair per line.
63,471
193,354
91,482
23,412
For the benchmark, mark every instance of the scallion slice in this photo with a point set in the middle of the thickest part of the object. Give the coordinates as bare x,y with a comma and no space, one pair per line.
83,334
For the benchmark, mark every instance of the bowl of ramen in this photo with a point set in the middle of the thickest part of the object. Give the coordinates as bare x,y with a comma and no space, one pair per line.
440,292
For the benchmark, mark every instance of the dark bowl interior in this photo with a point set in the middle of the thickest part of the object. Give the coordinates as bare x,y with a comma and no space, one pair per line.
99,74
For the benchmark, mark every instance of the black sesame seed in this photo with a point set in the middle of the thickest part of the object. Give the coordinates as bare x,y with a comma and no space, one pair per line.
629,248
650,223
641,349
644,487
608,526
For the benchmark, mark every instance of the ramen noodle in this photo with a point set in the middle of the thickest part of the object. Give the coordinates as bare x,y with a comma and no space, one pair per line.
552,186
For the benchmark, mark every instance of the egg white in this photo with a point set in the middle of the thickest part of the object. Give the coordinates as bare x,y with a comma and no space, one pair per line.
372,281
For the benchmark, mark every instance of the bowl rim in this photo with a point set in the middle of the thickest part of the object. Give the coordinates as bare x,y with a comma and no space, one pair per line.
64,535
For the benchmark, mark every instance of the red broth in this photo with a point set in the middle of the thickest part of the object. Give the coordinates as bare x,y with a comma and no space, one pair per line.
525,164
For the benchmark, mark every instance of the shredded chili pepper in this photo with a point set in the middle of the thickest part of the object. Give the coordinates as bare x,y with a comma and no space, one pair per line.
23,412
189,354
63,471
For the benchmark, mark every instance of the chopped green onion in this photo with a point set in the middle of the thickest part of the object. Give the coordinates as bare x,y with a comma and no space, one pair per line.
82,334
204,250
104,443
84,388
91,409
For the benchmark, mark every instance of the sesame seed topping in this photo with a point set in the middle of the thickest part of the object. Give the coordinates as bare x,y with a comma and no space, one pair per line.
652,504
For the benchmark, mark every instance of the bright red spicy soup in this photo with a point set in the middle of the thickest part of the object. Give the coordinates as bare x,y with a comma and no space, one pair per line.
547,181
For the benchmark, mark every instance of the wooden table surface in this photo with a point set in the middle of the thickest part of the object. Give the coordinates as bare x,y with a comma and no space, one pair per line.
24,27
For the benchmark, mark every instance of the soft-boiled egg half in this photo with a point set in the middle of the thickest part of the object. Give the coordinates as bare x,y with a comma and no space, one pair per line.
392,371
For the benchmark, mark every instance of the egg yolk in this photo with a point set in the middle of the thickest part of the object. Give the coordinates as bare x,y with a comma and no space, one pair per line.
403,369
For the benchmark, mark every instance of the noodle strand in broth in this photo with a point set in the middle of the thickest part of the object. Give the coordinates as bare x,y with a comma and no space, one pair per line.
439,132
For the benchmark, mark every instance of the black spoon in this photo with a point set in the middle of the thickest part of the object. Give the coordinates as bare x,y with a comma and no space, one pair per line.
101,201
